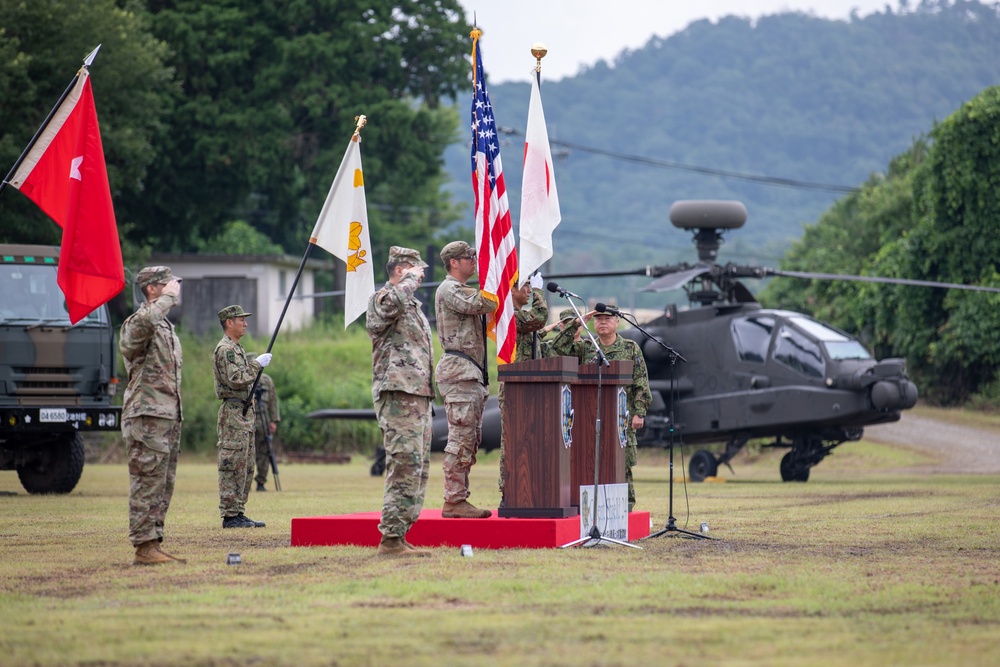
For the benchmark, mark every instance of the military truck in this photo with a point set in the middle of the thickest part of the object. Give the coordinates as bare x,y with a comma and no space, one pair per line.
57,379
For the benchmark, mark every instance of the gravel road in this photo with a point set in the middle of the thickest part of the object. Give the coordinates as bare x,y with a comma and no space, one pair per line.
959,449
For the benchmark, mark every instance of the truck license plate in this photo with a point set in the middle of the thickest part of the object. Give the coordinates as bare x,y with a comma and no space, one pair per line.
52,414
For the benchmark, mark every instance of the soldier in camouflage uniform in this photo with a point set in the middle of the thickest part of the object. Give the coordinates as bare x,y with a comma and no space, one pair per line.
267,409
616,348
567,341
234,374
402,391
151,414
461,374
528,320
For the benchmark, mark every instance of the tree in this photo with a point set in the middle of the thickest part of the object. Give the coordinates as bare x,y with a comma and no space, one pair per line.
42,45
269,93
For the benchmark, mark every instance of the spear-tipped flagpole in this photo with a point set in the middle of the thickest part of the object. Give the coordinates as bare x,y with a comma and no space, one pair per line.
31,144
361,121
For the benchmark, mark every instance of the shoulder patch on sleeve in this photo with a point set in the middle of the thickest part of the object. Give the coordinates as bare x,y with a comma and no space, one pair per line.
231,356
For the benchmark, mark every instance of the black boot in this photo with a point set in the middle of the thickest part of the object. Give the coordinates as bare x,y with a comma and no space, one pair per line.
238,521
256,524
261,487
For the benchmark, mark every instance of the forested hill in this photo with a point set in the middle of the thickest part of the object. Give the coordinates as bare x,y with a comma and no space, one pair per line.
789,96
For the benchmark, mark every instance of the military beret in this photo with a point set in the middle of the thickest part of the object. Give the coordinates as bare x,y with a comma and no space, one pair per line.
229,312
399,254
456,250
153,275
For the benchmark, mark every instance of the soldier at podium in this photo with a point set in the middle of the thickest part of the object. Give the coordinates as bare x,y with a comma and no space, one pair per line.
528,319
616,348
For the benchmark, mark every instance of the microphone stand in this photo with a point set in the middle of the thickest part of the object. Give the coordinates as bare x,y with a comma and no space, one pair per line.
675,356
594,538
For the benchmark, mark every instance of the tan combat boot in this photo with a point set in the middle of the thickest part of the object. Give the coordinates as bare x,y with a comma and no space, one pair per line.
394,547
416,552
148,554
159,547
463,510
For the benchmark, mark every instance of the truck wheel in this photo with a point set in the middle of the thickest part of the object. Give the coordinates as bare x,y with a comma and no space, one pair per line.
58,467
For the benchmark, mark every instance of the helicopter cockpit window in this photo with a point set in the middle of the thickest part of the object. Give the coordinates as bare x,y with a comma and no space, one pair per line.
838,346
752,337
799,353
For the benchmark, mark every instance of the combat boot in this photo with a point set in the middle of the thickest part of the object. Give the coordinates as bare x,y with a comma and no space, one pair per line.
238,521
261,487
256,524
463,510
147,554
416,552
170,556
395,547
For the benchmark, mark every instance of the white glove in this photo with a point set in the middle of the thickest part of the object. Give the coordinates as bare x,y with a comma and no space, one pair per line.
264,359
536,281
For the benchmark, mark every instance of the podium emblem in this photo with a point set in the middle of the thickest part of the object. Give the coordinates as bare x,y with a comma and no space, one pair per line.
566,414
623,417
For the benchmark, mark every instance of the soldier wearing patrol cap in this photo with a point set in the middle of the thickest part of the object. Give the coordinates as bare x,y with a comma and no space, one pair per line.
461,374
402,391
234,375
151,413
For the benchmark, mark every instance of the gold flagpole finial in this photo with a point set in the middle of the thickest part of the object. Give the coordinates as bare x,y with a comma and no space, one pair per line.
538,50
361,121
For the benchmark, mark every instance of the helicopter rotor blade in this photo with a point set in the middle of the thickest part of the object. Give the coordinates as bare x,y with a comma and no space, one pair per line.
673,281
878,279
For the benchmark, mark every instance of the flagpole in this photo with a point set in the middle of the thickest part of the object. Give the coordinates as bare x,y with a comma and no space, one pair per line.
31,144
361,121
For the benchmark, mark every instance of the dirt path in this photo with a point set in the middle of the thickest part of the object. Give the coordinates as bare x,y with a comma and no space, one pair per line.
957,448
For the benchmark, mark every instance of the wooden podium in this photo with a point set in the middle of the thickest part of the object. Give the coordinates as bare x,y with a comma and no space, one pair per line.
537,457
612,378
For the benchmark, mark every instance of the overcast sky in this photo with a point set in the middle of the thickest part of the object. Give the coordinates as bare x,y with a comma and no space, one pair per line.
581,32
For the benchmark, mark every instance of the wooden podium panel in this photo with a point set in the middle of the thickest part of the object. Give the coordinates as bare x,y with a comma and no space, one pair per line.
537,478
612,464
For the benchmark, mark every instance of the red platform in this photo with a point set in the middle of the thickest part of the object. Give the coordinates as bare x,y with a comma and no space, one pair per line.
434,531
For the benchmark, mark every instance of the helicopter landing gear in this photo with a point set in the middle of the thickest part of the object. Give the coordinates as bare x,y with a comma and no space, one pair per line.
793,470
702,465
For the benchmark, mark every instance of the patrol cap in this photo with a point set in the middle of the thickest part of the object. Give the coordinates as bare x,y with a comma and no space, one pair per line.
605,313
153,275
456,250
567,314
399,254
229,312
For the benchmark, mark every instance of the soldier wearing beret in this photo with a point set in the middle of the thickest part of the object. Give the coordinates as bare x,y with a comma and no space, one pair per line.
234,375
461,374
151,413
402,391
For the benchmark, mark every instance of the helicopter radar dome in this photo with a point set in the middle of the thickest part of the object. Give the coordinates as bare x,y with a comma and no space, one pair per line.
708,214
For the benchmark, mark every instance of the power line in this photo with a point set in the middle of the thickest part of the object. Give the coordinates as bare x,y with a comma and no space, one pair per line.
708,171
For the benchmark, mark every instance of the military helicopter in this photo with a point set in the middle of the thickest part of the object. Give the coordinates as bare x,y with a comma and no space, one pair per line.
748,373
754,373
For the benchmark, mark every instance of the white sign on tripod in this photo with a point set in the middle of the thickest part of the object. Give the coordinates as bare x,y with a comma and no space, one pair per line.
612,510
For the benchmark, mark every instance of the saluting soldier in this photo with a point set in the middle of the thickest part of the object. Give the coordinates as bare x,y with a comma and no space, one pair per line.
234,375
151,414
616,348
402,391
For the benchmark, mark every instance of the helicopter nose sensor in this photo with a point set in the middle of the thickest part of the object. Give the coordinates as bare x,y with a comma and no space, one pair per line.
899,395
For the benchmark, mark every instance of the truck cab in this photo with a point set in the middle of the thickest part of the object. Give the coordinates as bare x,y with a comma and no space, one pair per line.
57,379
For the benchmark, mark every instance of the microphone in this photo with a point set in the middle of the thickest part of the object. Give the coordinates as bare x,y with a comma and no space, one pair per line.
554,288
604,308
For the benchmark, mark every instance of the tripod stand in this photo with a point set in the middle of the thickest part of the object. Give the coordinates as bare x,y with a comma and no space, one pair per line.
594,538
671,527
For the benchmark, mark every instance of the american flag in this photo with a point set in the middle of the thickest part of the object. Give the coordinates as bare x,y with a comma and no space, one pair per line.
495,244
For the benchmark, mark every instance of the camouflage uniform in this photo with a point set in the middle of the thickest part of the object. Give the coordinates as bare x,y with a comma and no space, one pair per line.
151,414
528,320
564,343
638,392
268,411
402,392
460,311
233,376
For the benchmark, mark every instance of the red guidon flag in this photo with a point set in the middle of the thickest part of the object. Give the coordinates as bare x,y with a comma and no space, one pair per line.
64,173
496,252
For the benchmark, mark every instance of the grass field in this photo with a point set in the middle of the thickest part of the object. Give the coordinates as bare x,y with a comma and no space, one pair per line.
872,568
